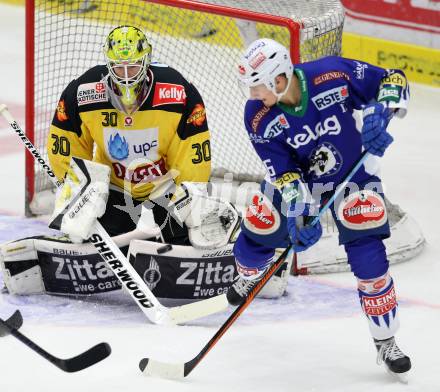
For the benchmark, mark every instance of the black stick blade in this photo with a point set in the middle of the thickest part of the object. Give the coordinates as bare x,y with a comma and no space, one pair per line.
14,322
86,359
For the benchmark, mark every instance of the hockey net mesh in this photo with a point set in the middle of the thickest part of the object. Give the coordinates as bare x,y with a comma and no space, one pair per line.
203,46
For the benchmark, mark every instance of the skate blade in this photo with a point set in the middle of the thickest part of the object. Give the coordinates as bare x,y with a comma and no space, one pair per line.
401,377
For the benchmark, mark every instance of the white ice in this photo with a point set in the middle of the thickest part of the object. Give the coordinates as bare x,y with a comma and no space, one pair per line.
314,339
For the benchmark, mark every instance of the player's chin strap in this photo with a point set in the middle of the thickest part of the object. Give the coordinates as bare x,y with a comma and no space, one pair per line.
119,265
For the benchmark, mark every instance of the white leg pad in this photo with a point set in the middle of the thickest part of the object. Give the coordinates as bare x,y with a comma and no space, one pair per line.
20,274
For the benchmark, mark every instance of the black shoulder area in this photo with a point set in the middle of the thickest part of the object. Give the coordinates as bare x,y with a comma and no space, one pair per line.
165,73
94,74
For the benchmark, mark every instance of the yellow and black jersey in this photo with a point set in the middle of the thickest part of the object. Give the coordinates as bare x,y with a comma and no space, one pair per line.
169,131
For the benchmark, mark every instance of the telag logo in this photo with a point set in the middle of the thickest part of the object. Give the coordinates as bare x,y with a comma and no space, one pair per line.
330,126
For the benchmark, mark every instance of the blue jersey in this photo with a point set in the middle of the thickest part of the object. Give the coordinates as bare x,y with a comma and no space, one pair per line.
320,137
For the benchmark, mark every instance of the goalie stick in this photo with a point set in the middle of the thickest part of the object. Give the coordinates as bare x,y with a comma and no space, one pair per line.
75,364
119,265
152,367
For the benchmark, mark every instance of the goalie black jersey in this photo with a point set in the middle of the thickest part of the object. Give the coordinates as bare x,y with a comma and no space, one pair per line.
168,132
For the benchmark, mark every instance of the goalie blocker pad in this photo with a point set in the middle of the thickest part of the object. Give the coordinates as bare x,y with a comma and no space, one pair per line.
56,266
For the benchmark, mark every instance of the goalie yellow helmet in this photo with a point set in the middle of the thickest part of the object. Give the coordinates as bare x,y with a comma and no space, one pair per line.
128,56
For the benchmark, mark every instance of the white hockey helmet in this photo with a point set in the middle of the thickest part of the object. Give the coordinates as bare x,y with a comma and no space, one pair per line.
261,63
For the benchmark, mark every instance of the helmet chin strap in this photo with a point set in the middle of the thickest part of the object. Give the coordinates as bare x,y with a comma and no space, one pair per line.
280,95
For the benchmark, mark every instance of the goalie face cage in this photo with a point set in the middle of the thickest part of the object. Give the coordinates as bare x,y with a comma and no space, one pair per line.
201,39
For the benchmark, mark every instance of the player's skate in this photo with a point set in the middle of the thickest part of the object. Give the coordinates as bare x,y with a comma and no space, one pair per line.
396,362
242,286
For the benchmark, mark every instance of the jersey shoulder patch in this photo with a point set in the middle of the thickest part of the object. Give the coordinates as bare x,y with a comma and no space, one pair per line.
254,113
169,86
89,93
265,123
90,86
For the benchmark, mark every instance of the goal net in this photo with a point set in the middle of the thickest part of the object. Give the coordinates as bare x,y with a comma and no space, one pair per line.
201,39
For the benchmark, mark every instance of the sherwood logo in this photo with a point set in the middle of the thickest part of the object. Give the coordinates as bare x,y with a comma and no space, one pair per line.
122,274
206,274
33,151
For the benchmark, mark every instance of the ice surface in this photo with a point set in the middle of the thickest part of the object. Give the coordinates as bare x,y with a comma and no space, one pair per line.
313,339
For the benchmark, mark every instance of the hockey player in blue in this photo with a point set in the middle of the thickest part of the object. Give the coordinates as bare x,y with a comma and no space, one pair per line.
302,123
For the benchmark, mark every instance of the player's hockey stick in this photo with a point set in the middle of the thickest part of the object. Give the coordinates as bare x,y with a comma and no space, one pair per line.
118,263
75,364
14,322
151,367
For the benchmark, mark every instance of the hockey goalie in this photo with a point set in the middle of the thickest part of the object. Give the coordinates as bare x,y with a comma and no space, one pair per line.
130,141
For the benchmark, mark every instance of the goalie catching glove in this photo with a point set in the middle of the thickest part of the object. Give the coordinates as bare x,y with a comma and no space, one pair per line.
82,199
211,222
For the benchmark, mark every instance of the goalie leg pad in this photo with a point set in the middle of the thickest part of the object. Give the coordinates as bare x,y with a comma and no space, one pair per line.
20,269
49,265
188,273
